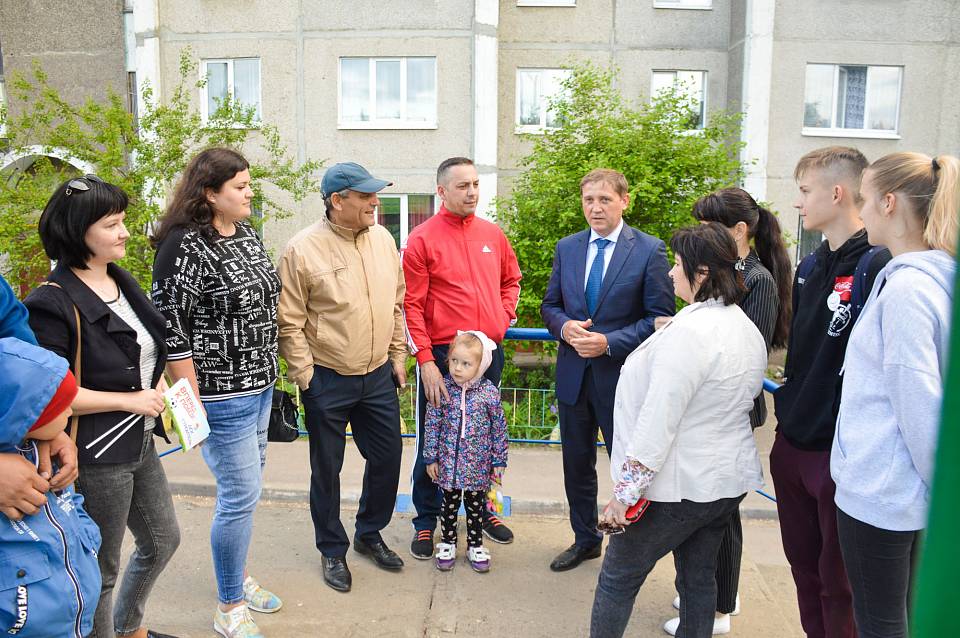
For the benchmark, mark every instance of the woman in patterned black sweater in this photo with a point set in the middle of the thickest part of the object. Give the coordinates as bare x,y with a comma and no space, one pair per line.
767,275
217,288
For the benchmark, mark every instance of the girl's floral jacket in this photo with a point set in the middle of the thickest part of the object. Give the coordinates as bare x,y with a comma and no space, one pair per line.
466,454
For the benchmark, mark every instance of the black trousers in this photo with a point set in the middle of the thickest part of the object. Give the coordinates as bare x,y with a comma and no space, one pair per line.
426,495
880,565
369,403
728,564
692,532
578,430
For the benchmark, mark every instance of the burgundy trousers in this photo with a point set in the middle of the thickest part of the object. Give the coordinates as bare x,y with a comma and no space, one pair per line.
808,527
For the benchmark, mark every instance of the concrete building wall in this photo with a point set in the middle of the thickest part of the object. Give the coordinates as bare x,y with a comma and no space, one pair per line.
299,44
81,51
484,42
922,37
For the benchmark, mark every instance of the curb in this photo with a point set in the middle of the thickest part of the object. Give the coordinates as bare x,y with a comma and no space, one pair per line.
519,507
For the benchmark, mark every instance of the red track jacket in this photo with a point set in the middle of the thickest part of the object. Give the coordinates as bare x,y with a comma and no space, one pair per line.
461,274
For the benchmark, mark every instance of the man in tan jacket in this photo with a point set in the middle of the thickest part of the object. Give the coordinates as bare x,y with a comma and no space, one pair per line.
342,335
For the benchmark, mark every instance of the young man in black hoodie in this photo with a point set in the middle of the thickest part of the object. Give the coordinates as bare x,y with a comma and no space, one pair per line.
806,405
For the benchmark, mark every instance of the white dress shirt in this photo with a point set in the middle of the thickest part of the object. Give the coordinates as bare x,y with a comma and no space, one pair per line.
607,252
683,405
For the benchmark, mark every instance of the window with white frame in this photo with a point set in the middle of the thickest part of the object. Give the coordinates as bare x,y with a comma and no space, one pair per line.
546,3
238,78
388,92
535,89
847,100
682,4
689,84
402,213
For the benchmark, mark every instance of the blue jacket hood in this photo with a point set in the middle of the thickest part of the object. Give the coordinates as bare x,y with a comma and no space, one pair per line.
29,377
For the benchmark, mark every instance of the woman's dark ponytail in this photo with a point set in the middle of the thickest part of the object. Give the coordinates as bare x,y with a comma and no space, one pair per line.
730,206
772,251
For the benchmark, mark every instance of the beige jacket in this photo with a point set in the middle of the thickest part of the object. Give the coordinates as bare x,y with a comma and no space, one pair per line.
341,304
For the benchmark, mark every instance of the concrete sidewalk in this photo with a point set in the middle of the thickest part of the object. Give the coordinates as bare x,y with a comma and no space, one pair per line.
520,597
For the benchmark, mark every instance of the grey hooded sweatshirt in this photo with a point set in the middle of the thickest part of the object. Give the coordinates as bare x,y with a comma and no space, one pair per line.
883,450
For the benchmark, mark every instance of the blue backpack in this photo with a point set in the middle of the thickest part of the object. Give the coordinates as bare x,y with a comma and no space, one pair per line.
858,295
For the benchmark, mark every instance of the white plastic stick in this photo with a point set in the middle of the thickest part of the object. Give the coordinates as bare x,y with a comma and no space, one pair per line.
122,422
116,438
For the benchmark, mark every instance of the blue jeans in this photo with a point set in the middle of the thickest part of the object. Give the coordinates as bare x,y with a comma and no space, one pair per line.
235,453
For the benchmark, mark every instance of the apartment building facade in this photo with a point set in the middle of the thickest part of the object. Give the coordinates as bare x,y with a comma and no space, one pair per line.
399,86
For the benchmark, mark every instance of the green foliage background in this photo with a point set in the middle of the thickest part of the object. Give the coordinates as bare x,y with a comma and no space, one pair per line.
143,157
667,166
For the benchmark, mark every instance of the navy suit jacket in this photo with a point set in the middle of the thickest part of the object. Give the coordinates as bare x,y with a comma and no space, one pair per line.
636,289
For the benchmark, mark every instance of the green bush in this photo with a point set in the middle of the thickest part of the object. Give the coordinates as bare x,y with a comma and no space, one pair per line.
667,166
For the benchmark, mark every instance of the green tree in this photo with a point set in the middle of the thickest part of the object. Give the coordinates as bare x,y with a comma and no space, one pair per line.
143,157
667,166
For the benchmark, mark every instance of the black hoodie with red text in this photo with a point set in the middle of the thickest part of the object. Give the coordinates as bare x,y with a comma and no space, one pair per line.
807,403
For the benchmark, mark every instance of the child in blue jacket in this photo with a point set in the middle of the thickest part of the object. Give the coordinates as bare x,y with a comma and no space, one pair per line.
49,577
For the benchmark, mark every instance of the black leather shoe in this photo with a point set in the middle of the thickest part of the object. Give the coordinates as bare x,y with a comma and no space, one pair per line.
573,556
382,555
336,573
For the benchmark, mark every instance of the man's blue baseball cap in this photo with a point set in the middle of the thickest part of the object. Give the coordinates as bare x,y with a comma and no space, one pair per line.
353,176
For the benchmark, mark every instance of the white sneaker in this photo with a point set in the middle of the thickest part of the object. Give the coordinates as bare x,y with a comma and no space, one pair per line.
736,606
479,559
721,625
236,623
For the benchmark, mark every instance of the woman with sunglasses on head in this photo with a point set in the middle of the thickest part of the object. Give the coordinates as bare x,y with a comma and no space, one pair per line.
682,438
216,285
767,276
882,458
122,356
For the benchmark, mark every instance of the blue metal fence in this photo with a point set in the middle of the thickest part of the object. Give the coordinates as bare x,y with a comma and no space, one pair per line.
520,402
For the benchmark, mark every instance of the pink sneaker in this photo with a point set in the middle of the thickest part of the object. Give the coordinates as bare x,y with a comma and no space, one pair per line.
479,559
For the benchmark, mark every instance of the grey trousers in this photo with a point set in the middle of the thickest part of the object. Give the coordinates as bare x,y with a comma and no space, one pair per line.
692,531
136,496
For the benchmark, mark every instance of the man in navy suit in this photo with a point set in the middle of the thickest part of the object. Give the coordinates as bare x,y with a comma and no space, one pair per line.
607,286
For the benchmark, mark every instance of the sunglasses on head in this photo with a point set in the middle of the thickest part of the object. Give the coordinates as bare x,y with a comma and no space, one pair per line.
81,184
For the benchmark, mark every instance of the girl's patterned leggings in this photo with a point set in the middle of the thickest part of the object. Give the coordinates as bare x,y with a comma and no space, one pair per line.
473,503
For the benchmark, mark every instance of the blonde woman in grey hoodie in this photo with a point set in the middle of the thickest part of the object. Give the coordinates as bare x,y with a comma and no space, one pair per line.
883,450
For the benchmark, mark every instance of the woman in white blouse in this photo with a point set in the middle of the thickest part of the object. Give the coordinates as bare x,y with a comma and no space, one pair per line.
682,438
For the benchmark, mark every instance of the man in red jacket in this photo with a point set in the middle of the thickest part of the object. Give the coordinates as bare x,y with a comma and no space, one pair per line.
461,274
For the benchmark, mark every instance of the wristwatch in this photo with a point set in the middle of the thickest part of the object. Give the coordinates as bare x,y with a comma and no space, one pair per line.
608,350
